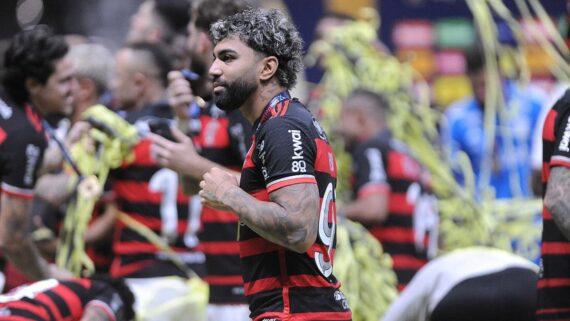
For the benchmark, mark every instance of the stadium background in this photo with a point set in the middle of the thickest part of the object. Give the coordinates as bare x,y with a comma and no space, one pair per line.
427,33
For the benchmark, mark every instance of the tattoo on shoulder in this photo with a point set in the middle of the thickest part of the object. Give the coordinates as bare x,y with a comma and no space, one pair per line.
558,199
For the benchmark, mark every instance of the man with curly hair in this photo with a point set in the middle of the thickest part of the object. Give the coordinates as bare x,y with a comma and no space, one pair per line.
37,80
285,199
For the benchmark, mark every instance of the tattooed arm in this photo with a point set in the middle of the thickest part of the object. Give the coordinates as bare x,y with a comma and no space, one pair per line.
557,199
290,219
15,238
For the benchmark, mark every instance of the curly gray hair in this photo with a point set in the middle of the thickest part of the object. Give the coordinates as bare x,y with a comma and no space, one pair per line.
268,32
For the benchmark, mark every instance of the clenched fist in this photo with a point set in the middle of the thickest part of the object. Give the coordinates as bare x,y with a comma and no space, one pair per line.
216,189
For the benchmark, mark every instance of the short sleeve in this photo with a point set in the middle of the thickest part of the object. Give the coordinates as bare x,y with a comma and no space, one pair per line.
19,164
561,150
286,153
369,171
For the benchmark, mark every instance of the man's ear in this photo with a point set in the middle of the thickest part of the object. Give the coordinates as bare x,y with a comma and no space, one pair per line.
268,68
32,86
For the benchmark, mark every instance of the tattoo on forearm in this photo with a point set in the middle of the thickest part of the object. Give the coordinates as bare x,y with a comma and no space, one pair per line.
290,219
557,198
18,246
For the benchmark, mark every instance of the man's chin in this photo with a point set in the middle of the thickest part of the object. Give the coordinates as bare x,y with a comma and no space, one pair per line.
224,104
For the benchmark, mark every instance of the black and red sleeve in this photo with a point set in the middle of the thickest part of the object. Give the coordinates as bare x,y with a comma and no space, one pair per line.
369,171
286,153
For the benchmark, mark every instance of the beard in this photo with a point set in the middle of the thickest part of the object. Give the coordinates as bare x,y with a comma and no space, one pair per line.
234,94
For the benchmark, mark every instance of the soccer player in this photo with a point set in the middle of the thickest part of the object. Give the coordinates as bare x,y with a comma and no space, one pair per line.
470,284
92,69
390,187
69,300
150,194
161,21
37,83
554,282
285,199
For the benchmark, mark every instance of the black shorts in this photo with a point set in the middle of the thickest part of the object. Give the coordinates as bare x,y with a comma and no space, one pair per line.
509,295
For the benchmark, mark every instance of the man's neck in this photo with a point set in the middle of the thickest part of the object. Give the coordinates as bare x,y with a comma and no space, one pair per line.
253,107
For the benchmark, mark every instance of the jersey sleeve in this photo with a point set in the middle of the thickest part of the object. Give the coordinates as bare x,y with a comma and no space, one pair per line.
19,164
286,153
561,150
370,171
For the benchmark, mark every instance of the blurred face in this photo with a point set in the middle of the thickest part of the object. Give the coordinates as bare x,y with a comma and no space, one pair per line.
123,84
199,60
478,86
142,23
54,98
350,126
84,95
234,73
326,26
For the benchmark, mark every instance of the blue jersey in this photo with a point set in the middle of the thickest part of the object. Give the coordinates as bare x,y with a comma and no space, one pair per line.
510,163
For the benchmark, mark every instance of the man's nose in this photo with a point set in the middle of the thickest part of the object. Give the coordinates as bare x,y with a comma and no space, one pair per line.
215,69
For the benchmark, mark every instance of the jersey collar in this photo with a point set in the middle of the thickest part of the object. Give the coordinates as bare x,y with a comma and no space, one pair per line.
269,110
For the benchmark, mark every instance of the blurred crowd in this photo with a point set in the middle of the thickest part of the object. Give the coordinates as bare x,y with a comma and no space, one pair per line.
120,140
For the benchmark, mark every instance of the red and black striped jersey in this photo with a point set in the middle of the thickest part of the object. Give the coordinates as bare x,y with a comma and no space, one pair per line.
224,139
289,147
554,282
22,145
102,252
152,196
53,300
383,165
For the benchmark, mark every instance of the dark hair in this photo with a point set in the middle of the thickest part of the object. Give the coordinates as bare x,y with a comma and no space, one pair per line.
267,32
175,14
159,56
209,11
474,59
378,101
31,54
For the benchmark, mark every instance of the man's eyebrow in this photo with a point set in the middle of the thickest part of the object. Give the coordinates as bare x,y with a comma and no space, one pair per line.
224,51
